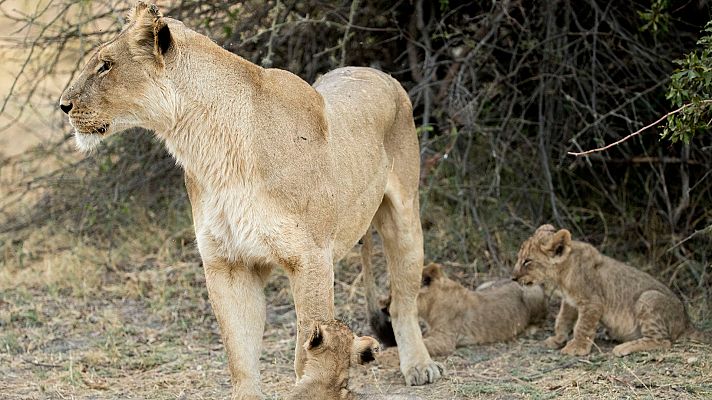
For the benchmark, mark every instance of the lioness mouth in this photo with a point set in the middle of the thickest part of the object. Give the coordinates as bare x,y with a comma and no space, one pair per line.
102,129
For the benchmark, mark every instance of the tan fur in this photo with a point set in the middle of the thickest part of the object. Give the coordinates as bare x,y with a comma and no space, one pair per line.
279,173
331,350
634,307
495,312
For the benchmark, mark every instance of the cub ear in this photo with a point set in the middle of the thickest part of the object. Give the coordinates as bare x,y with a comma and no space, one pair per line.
315,338
546,228
431,272
150,36
364,349
559,243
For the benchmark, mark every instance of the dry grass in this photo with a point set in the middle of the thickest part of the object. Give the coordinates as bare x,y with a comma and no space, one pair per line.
82,323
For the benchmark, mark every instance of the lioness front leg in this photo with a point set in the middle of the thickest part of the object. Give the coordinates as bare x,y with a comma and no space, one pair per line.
312,281
562,327
585,330
236,294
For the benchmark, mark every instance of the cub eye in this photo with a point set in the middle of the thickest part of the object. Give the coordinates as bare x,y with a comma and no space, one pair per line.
105,67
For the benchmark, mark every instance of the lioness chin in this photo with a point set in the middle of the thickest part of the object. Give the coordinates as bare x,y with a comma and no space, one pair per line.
279,174
634,307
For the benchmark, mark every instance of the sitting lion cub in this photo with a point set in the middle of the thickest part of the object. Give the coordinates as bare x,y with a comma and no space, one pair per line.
634,307
496,311
331,349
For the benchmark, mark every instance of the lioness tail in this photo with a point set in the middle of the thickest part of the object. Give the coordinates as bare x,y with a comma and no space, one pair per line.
378,316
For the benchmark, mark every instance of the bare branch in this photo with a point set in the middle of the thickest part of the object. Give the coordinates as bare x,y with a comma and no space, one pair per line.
636,133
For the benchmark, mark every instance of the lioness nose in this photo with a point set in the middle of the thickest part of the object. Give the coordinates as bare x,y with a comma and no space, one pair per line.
66,107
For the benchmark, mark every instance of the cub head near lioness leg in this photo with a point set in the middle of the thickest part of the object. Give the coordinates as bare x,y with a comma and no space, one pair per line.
331,350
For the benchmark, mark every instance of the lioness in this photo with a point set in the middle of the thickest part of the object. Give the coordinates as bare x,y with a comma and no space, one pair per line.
497,311
279,173
331,348
634,307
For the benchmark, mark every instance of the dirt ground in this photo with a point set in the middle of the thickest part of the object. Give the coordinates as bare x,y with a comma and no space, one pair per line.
145,330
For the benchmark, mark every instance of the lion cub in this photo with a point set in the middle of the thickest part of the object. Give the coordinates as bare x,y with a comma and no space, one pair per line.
496,311
331,350
634,307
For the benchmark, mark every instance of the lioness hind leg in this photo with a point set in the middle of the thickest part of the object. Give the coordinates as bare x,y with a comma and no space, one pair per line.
398,223
658,316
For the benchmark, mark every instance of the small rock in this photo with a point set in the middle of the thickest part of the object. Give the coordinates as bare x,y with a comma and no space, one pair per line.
692,360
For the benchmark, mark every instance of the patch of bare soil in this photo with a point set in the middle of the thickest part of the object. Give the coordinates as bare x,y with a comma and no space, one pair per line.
149,333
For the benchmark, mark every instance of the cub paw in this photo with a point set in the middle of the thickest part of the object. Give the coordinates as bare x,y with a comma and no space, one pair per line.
576,349
621,350
423,373
554,342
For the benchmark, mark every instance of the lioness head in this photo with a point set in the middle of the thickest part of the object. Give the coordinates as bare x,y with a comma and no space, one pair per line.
542,255
332,348
122,81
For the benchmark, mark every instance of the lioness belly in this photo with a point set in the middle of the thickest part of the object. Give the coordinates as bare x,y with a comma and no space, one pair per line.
236,228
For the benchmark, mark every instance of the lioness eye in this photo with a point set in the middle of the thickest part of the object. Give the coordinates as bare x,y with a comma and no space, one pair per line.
527,262
105,66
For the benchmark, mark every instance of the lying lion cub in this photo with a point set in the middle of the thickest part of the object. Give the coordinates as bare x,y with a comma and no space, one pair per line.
331,349
634,307
496,311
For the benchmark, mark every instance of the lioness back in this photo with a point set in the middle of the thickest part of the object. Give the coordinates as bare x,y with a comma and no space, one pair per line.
362,95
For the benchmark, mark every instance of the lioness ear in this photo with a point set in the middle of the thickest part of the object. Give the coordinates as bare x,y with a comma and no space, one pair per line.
559,242
150,35
316,337
431,272
364,349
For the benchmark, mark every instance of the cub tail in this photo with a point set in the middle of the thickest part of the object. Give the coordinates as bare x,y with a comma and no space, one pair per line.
378,315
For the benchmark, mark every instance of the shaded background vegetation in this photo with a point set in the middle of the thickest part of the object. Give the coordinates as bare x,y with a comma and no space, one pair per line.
502,92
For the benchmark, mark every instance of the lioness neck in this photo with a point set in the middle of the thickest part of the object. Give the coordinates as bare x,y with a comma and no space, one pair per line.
209,102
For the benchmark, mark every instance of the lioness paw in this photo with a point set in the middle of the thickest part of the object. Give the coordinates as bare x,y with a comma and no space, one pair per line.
423,373
554,342
576,349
